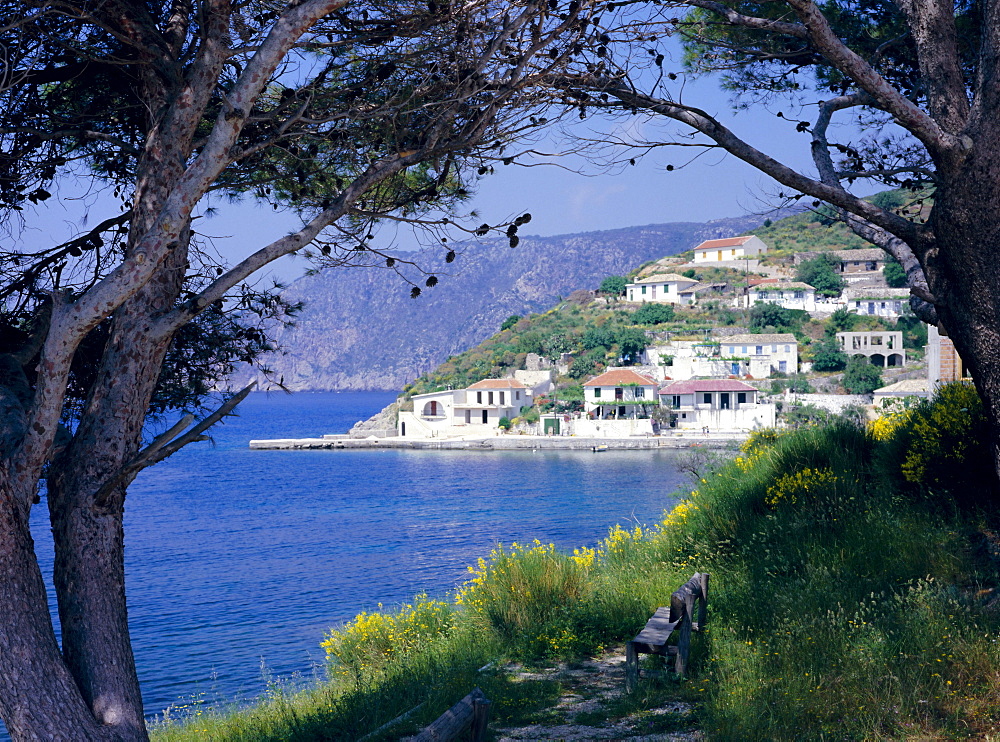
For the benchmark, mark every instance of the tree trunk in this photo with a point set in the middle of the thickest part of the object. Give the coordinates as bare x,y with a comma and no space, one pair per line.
962,269
38,697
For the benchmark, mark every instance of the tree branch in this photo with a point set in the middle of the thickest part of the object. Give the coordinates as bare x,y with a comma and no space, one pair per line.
710,127
907,114
932,27
166,445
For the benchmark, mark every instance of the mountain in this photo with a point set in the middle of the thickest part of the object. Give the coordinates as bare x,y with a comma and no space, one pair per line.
360,330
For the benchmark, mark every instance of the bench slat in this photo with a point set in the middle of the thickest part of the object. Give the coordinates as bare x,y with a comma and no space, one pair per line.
658,629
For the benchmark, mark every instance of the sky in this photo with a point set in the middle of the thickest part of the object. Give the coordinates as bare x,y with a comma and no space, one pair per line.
564,194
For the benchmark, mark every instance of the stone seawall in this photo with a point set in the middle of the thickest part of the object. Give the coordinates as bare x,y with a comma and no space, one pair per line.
501,443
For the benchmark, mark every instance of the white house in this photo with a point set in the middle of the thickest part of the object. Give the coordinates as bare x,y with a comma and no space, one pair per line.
787,294
880,348
761,355
662,288
475,409
619,393
716,404
876,301
729,249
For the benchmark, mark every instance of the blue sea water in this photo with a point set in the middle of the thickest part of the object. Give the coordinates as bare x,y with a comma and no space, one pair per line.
238,559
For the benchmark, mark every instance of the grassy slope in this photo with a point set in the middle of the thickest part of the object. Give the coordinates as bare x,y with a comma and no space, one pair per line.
852,598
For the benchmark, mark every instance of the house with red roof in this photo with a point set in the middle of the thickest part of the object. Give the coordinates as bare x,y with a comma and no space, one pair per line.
620,393
729,249
717,405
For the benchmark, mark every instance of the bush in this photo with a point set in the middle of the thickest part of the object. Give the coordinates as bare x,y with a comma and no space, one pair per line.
505,422
943,446
631,343
843,320
510,322
861,377
582,366
819,273
613,285
894,274
653,314
768,314
827,356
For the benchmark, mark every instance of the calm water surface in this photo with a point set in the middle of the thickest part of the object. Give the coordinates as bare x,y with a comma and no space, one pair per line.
239,558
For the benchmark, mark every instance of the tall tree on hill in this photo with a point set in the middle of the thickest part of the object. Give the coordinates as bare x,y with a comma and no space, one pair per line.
921,79
349,111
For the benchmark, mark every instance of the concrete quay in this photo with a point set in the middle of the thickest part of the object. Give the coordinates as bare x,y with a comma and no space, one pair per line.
507,443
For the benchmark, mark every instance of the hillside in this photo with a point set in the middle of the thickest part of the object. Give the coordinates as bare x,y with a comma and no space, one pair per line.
361,330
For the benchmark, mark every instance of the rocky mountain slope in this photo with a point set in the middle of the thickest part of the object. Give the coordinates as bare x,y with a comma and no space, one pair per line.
360,330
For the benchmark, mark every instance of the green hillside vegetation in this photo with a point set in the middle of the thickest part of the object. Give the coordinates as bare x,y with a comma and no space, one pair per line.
853,596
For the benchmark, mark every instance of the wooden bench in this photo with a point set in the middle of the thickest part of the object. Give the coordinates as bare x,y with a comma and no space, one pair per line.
680,617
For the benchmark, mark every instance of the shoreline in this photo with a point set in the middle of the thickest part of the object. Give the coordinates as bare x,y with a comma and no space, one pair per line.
503,443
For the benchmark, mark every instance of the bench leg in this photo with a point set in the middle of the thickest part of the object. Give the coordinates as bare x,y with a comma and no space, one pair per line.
631,667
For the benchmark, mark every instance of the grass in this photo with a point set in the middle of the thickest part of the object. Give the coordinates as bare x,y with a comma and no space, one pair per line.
851,599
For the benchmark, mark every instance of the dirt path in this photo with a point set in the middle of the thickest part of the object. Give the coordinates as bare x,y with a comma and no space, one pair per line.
593,705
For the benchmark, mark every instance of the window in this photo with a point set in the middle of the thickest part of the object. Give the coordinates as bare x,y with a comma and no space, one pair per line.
644,289
724,401
744,350
897,306
597,391
741,398
619,393
734,368
782,366
654,290
788,348
640,392
871,265
517,395
479,397
760,350
675,401
490,396
800,295
501,398
706,398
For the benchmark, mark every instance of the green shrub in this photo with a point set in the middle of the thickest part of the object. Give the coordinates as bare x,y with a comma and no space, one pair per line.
613,285
827,356
653,314
861,377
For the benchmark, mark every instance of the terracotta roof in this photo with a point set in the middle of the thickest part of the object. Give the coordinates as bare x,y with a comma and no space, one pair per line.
693,386
724,242
784,337
620,377
666,278
498,384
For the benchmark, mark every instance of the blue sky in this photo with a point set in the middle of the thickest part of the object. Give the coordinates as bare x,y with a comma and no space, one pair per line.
561,201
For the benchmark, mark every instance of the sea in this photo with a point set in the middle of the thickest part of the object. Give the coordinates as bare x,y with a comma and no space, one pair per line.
238,561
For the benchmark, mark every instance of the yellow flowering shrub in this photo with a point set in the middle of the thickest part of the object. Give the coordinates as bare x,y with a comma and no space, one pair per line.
620,541
372,639
681,512
531,590
945,436
790,487
886,426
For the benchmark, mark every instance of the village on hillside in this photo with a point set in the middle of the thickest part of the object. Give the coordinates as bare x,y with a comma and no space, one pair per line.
728,380
712,344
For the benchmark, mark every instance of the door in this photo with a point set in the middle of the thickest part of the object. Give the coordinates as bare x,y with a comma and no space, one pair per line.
485,417
551,425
